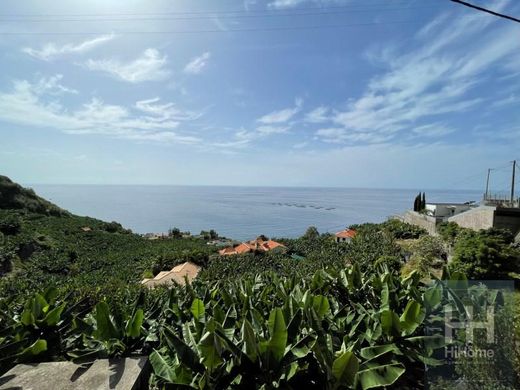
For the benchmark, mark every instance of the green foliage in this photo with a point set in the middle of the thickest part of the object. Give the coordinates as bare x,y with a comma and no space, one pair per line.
209,235
427,253
449,232
11,224
175,233
14,196
369,245
340,317
403,230
311,234
485,255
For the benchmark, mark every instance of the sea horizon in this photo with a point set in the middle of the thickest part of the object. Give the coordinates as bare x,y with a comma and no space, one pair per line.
239,212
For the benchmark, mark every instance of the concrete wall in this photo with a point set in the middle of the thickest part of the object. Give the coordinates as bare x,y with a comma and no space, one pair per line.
507,218
478,218
426,222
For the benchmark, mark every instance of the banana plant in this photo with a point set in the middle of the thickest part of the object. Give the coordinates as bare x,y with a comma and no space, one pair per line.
101,334
39,330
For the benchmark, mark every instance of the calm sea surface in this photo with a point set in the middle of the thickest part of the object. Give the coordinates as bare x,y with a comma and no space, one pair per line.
238,212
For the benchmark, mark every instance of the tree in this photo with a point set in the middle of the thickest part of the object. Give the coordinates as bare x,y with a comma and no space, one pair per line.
423,201
311,233
174,233
417,203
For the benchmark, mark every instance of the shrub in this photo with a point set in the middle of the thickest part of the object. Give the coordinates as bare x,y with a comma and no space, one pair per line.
113,227
11,224
403,230
485,255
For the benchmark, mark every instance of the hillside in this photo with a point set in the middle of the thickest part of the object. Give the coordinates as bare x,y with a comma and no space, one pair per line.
336,316
14,196
43,245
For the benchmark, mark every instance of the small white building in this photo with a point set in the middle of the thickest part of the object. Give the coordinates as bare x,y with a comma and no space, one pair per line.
345,235
446,210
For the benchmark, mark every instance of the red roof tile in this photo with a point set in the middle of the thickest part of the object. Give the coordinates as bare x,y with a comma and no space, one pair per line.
347,233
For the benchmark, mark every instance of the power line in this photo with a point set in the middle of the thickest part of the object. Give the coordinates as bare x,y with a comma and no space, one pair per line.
283,28
206,16
373,6
512,18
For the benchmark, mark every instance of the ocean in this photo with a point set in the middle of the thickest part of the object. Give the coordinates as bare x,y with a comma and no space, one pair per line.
239,212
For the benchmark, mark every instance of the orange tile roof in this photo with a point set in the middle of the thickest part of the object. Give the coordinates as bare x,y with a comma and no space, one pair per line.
251,246
347,233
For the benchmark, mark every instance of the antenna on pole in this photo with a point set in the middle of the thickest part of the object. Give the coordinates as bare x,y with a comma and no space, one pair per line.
513,184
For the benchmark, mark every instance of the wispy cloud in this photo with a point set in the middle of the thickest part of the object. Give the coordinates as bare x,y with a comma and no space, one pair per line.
436,78
318,115
433,130
267,130
150,66
511,99
340,135
36,105
197,64
300,145
286,4
52,50
282,116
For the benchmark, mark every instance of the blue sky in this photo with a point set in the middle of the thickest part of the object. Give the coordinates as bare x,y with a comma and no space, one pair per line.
400,94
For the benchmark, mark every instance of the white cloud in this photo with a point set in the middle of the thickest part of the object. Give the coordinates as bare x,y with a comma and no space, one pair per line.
511,99
165,111
286,4
300,145
150,66
318,115
282,116
339,135
197,64
433,130
52,50
34,104
436,78
267,130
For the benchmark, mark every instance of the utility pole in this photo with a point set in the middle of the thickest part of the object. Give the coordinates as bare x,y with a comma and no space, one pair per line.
487,184
513,184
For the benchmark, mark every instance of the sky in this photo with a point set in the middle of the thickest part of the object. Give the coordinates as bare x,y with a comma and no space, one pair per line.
372,93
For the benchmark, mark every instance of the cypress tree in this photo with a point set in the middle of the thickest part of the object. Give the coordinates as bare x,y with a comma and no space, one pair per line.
423,202
417,203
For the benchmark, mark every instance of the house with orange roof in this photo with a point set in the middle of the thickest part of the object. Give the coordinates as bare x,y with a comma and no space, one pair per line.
177,274
345,235
260,245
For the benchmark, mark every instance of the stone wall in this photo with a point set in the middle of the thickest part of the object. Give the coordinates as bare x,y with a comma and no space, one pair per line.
425,221
482,217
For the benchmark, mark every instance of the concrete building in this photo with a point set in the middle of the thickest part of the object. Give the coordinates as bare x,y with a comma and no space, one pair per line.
446,210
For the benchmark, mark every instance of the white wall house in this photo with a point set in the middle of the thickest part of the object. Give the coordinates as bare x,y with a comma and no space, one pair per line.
446,210
345,235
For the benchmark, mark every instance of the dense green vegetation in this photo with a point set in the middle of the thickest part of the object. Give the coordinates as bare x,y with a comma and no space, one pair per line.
14,196
321,315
